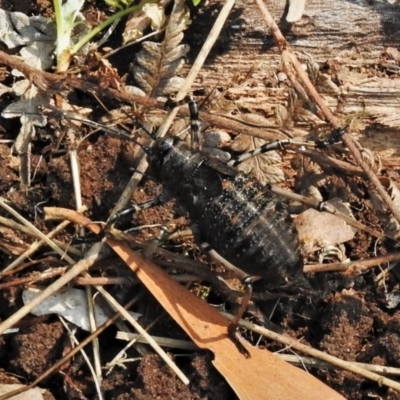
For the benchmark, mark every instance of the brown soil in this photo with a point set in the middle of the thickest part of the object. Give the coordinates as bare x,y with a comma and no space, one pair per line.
350,321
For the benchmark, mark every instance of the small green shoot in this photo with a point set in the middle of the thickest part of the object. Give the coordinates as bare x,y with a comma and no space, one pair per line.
66,20
66,16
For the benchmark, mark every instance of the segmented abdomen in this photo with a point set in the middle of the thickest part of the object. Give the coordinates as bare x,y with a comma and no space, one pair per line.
251,227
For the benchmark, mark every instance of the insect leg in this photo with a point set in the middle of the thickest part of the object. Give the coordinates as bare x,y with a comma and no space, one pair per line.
136,208
247,281
333,138
194,117
157,241
115,218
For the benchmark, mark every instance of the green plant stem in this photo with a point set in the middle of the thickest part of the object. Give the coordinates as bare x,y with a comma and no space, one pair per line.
59,20
107,22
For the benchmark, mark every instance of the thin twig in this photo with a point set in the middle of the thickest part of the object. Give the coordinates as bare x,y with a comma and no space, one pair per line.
57,271
314,363
295,344
74,342
360,265
75,270
118,358
289,58
33,247
55,367
35,231
162,341
76,182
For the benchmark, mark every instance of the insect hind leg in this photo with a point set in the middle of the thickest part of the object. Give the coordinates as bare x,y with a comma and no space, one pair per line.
247,281
135,208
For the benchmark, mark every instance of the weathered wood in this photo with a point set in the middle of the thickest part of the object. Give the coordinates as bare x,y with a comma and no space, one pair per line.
350,37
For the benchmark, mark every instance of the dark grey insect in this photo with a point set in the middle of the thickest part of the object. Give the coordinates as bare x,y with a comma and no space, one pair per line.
234,217
232,213
238,217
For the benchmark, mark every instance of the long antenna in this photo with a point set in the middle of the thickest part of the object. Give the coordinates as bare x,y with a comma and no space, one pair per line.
55,112
141,125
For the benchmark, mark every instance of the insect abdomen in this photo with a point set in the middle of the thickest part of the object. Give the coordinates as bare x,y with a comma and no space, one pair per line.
242,220
252,228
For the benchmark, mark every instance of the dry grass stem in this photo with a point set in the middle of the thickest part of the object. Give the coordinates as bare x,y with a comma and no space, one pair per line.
162,341
320,355
310,362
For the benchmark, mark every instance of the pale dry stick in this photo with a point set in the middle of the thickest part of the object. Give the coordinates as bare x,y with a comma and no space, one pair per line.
10,223
35,231
314,363
34,247
75,270
162,131
76,182
74,341
101,280
126,195
31,263
28,280
58,213
22,228
296,345
359,265
118,359
288,56
198,63
380,278
69,355
117,307
162,341
93,327
57,271
75,173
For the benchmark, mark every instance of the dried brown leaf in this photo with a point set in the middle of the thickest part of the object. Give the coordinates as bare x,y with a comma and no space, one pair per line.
262,376
320,229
